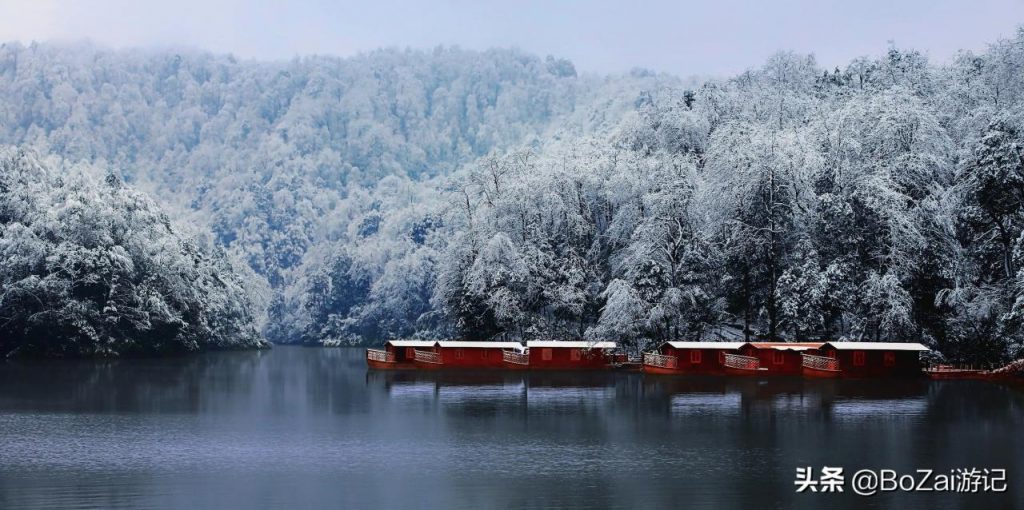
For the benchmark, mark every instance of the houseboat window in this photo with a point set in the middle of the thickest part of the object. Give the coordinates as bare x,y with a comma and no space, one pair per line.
545,354
890,359
459,353
858,358
410,352
695,357
778,357
574,355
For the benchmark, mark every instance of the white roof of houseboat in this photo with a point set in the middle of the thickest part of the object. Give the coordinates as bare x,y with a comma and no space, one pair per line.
878,346
480,345
571,344
706,345
412,343
787,346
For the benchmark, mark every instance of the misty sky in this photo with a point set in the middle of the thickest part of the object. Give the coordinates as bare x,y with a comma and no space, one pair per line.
684,38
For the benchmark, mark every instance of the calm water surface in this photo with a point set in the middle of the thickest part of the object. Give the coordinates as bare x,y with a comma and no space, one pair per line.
312,428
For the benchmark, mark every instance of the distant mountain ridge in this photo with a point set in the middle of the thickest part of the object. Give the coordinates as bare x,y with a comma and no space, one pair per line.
261,150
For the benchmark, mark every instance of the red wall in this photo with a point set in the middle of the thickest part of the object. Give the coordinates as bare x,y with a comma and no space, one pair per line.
400,353
906,363
561,359
710,359
792,361
471,357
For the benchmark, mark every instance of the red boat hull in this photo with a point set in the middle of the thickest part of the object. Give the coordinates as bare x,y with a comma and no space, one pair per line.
650,369
744,371
818,373
424,365
389,365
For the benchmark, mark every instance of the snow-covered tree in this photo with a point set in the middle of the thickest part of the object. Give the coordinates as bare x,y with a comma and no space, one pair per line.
94,268
498,195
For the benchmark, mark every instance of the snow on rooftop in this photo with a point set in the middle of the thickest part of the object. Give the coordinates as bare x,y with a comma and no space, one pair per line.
878,346
571,344
412,343
787,346
784,346
480,345
706,345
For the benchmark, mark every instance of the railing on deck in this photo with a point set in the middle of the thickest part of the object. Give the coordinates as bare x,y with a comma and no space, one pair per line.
742,362
427,357
821,362
660,360
379,355
517,358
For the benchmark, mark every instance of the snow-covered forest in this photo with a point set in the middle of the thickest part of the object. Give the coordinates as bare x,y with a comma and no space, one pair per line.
93,268
497,194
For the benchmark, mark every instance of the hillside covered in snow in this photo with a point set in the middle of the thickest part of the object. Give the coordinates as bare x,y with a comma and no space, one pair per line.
498,195
93,268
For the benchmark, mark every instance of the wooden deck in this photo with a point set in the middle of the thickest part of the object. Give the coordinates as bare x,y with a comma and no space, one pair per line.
737,364
820,366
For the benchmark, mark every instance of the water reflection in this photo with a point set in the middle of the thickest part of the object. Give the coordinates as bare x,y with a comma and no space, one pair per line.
298,427
541,392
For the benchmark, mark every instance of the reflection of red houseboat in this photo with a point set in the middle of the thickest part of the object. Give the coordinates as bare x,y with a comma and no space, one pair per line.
863,359
457,354
565,355
396,355
690,357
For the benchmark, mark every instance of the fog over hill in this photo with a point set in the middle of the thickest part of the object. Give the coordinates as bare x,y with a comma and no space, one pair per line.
499,194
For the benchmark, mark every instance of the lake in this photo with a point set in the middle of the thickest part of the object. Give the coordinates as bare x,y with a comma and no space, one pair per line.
301,427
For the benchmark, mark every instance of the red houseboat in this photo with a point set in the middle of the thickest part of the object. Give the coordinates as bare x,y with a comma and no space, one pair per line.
864,359
563,355
396,355
811,359
768,358
690,357
457,354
